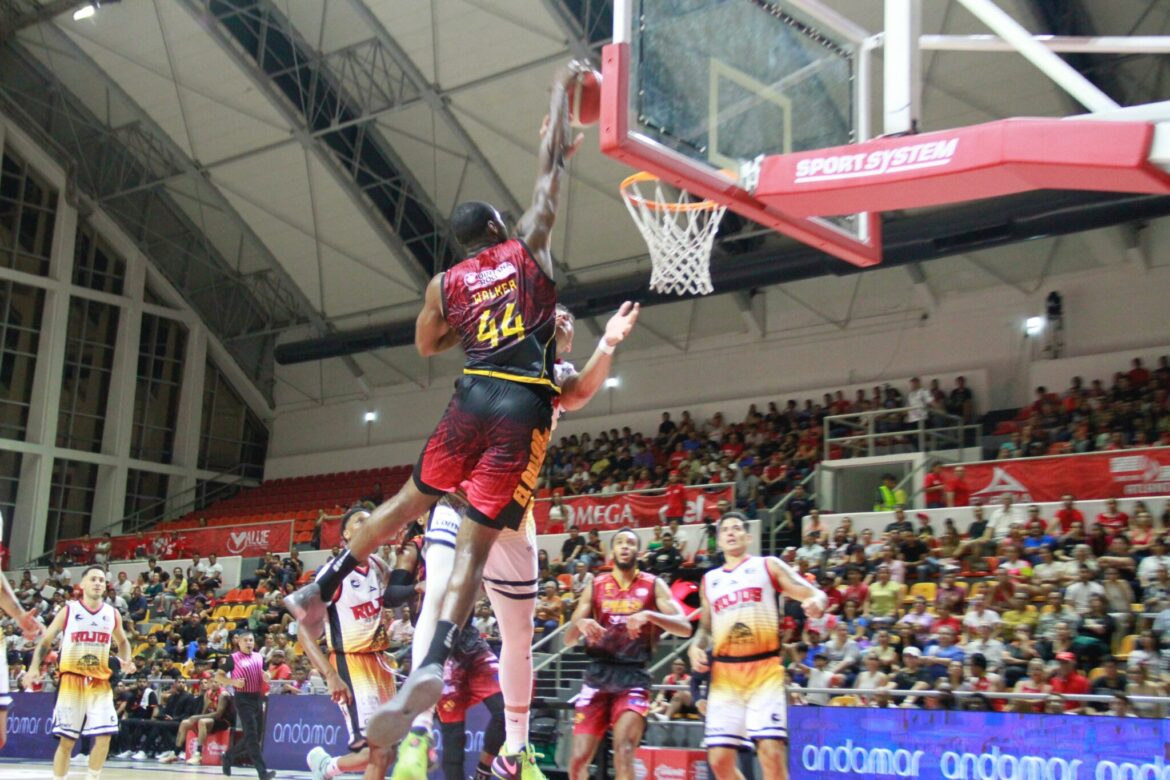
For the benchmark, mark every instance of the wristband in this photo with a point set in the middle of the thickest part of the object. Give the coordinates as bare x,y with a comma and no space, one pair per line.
604,346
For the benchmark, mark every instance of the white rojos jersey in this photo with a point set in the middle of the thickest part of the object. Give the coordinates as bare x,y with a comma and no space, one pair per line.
85,639
745,614
354,616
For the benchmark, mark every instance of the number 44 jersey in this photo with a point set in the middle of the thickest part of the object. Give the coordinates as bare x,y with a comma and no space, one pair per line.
503,306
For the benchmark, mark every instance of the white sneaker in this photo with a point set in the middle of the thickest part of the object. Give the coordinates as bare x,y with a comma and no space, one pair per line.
168,757
79,760
195,760
318,759
139,756
125,754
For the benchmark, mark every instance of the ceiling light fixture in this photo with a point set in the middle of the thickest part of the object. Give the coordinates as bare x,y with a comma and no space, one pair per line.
84,12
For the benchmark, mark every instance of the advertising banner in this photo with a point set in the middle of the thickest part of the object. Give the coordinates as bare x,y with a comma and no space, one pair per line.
1095,475
835,742
30,719
250,541
662,763
636,510
297,724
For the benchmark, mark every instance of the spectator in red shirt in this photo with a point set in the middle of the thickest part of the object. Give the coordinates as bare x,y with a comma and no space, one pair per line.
855,589
934,488
1113,520
958,493
1068,680
1067,515
277,668
1139,375
676,497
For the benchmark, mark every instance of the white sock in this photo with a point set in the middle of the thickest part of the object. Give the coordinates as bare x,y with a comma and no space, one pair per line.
59,777
331,769
424,720
440,559
515,731
93,774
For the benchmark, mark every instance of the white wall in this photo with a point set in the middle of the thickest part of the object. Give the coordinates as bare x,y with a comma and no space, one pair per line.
1121,308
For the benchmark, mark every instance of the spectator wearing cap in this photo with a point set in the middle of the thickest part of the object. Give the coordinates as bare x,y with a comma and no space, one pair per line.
913,676
1068,680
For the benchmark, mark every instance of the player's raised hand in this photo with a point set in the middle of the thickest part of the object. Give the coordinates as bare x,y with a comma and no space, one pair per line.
29,624
621,323
129,668
570,149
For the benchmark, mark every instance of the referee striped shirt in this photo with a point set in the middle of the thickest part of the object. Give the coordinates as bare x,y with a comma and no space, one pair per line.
248,667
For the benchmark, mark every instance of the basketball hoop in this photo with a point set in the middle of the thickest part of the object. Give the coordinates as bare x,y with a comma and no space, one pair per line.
679,234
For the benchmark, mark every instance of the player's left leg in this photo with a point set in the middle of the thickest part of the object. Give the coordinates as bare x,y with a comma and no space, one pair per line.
97,755
724,762
773,757
627,735
61,757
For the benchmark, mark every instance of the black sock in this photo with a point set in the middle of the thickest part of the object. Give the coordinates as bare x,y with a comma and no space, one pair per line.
335,573
441,643
482,770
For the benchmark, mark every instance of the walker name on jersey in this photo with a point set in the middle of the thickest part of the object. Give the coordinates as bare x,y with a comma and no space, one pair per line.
478,279
883,162
368,610
494,292
741,596
90,637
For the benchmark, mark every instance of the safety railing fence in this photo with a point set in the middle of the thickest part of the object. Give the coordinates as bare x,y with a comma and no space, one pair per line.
883,432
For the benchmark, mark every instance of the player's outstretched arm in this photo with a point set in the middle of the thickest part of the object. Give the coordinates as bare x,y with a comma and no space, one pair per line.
577,390
33,673
582,624
812,599
556,148
702,642
668,617
432,334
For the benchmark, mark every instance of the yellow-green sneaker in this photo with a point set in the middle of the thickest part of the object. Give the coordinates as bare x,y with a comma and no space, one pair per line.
416,756
517,766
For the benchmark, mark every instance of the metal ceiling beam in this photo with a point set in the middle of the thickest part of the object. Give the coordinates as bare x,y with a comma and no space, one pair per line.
321,96
914,238
1071,18
38,14
168,222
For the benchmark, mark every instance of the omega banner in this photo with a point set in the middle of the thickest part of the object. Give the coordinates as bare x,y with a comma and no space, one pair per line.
249,541
635,510
1096,475
838,742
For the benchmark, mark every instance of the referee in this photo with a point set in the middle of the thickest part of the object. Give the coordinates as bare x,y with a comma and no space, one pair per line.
246,668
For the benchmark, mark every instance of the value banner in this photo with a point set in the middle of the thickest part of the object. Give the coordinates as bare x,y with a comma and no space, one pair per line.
249,541
635,510
1118,474
835,742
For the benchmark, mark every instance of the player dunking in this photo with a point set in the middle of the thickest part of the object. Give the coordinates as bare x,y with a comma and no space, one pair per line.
356,671
619,615
510,574
740,629
28,624
85,701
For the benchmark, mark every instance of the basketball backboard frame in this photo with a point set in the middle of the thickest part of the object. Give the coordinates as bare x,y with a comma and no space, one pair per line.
990,160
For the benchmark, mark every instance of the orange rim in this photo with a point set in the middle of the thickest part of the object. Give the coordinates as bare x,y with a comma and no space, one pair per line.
646,176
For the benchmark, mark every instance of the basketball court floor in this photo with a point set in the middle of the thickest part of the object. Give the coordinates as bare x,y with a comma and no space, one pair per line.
116,769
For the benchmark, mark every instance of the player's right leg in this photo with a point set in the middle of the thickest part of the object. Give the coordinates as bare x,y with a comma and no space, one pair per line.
61,757
627,735
724,763
725,730
773,757
590,722
371,681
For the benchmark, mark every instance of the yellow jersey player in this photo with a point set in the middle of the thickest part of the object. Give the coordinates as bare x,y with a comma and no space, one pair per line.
85,701
357,671
739,640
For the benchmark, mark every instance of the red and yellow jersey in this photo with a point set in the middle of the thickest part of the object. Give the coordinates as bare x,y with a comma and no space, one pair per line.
612,606
86,638
745,613
503,307
354,617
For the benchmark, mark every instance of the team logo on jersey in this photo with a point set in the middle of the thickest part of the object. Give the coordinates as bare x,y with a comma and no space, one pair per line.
89,662
740,633
475,280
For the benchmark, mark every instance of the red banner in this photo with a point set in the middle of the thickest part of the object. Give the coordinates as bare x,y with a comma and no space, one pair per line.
249,541
637,510
1095,475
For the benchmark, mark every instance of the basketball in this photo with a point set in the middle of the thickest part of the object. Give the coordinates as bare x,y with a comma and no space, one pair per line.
585,99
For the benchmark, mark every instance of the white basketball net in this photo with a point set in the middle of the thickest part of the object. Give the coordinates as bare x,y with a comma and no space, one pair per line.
679,234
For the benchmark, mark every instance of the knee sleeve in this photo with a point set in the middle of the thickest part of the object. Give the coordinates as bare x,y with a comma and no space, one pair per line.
515,618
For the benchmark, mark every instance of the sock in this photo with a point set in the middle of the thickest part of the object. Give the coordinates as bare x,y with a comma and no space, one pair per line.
335,573
424,722
93,774
441,643
332,770
198,746
515,731
482,771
